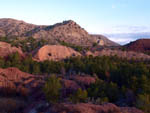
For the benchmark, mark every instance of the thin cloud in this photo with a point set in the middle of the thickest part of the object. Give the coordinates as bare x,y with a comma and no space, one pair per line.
130,29
113,6
124,38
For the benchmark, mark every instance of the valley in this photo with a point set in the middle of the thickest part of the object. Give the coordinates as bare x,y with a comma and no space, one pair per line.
61,68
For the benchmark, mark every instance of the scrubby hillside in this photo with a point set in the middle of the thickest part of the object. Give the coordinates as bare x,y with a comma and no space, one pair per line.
64,69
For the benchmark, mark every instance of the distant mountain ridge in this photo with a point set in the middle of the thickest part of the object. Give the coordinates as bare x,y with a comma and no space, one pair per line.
68,31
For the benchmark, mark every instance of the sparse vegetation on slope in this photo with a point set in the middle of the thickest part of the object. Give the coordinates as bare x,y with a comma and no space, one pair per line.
52,89
27,44
120,77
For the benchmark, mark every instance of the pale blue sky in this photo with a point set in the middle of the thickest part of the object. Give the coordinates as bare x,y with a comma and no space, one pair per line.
96,16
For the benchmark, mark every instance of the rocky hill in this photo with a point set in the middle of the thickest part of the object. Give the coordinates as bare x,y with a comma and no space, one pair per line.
141,45
68,31
6,49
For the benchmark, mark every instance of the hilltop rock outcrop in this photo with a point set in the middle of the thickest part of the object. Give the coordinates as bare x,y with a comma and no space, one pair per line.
55,52
6,49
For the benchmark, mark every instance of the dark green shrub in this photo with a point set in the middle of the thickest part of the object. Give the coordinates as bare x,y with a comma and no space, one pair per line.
79,96
52,89
143,102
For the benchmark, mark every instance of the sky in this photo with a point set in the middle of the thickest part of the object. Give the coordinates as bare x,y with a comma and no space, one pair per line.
95,16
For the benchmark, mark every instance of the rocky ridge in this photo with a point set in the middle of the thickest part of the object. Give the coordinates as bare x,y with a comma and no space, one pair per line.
68,31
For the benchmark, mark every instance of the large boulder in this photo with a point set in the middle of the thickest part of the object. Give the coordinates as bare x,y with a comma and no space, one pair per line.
6,49
54,52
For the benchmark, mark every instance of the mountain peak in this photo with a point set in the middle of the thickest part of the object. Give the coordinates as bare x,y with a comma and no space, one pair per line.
69,22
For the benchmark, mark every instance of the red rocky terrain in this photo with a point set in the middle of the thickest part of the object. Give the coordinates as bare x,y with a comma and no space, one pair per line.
141,45
6,49
55,52
18,81
85,108
91,108
29,85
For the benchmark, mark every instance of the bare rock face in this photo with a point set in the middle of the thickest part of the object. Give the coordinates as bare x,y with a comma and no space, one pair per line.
55,52
6,49
120,54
